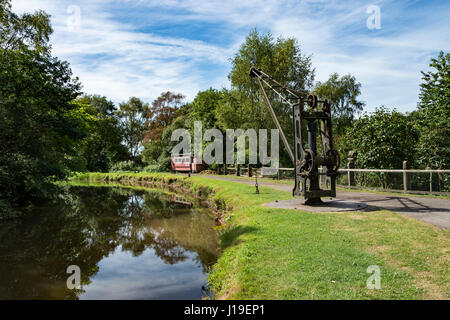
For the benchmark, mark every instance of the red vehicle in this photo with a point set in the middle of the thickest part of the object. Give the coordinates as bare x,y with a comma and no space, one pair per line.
187,163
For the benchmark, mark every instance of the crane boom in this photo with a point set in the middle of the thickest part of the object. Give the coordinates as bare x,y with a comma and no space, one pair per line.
305,160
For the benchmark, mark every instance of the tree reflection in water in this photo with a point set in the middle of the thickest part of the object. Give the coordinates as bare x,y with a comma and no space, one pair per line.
86,225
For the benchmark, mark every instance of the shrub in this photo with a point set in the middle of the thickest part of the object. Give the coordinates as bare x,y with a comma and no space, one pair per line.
125,166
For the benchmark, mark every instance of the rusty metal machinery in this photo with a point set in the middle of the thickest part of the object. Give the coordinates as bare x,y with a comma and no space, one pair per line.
313,116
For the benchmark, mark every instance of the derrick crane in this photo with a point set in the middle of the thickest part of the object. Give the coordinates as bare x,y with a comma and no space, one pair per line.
315,116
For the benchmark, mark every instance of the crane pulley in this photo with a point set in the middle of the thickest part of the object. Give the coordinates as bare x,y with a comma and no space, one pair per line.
314,115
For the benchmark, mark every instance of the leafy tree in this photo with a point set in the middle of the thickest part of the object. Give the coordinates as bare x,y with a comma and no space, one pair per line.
152,151
342,93
26,31
229,112
283,60
433,115
133,115
165,109
161,114
203,108
103,146
40,127
382,140
158,152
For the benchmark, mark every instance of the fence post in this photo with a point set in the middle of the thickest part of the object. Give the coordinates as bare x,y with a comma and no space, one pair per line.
406,178
431,180
280,174
351,165
238,170
249,171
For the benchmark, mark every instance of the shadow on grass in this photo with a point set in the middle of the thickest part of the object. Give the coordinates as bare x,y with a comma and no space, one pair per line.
231,236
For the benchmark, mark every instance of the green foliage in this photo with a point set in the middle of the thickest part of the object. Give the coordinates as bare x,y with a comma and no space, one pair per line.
133,116
230,113
152,151
203,108
103,145
382,140
153,168
282,59
342,93
433,115
157,156
6,211
156,152
40,127
128,165
26,31
161,114
164,162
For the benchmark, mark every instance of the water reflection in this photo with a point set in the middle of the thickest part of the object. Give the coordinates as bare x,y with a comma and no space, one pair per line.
128,244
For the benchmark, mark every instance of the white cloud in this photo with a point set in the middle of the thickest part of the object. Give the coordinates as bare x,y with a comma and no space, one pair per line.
112,57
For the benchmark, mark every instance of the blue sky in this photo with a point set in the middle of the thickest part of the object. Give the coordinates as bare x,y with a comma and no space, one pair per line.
123,48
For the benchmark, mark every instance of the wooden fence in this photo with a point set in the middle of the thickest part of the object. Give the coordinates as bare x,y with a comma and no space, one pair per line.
350,172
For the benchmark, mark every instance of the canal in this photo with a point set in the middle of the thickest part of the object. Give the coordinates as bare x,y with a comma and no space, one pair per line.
127,243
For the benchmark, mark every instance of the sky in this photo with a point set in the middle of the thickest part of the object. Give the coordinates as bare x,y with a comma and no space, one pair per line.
141,48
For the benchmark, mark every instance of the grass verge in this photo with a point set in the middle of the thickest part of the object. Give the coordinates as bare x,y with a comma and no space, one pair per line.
272,253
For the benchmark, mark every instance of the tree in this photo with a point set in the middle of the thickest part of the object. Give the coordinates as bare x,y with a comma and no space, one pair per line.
26,31
103,146
133,115
342,93
229,112
165,109
40,127
161,114
203,108
283,60
158,151
382,140
433,115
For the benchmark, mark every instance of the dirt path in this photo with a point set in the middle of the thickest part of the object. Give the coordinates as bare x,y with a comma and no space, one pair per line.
432,210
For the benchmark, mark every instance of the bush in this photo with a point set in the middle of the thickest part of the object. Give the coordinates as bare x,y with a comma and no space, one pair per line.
153,168
163,165
125,166
6,211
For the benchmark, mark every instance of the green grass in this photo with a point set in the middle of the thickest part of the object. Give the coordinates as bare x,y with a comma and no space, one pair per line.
272,253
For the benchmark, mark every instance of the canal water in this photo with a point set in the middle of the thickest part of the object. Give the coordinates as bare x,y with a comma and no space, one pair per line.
127,244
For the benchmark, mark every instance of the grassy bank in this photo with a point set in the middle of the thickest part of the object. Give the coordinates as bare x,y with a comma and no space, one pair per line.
286,254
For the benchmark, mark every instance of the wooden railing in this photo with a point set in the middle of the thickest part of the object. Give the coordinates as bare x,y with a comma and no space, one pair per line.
351,174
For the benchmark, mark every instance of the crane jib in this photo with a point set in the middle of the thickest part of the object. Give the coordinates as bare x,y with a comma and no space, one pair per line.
314,115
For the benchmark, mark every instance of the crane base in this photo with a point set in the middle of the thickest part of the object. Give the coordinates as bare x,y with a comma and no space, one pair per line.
335,205
313,202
